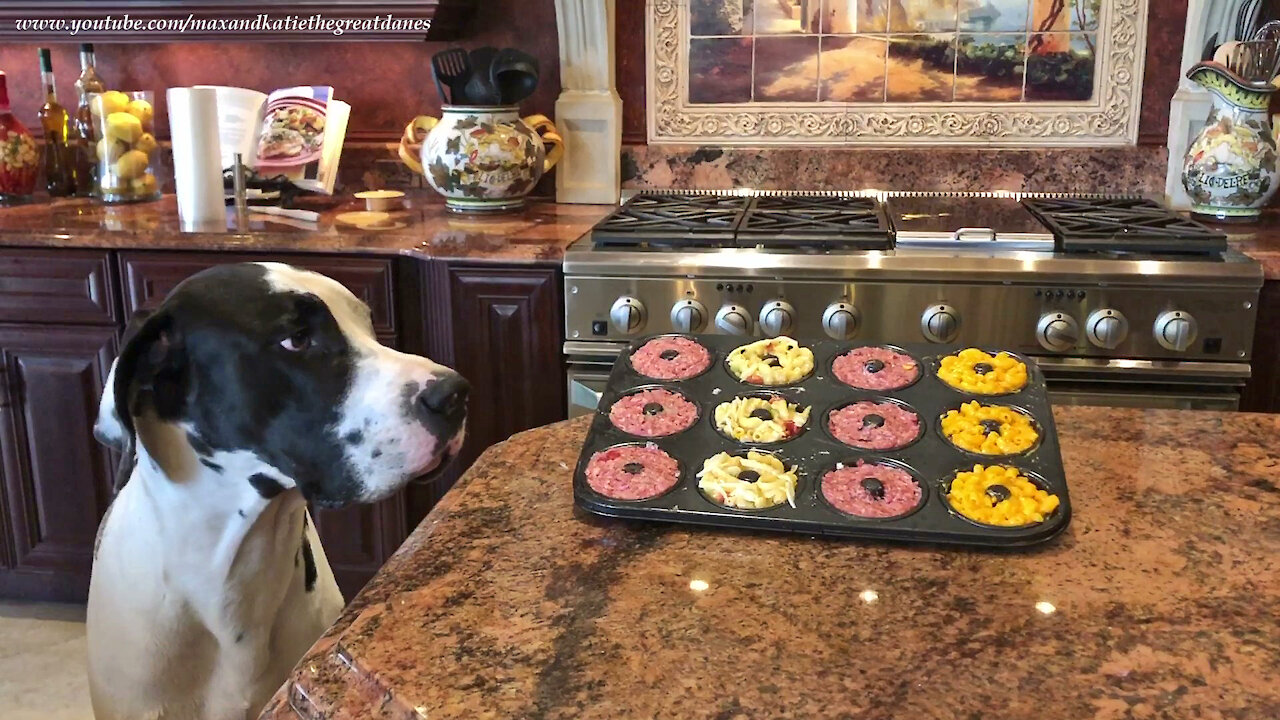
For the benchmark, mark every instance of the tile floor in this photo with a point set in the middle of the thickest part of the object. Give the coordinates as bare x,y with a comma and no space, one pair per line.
42,662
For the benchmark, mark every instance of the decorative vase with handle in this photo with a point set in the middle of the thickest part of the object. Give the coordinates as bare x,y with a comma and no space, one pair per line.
1230,169
481,159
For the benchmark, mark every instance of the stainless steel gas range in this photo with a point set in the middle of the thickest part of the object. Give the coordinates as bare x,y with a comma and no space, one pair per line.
1120,301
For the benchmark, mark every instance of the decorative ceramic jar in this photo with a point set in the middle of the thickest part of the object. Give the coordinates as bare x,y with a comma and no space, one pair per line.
19,157
1230,169
481,159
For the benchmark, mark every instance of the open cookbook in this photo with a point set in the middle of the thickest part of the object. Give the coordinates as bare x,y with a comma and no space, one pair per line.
296,132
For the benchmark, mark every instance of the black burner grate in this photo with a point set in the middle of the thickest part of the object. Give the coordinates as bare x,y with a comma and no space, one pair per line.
801,221
793,221
1128,225
673,220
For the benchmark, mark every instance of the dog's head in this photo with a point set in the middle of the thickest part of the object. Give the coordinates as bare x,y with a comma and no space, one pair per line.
274,374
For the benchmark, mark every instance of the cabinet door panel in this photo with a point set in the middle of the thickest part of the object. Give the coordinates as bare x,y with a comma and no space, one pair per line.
57,478
57,286
502,329
148,278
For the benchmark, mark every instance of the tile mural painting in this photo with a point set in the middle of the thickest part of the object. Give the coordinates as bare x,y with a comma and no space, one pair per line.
892,51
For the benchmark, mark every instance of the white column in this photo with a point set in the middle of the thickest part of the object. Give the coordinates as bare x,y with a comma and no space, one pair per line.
589,111
1190,105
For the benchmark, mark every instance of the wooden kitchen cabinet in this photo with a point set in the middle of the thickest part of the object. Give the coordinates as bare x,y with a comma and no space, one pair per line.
56,478
502,328
62,313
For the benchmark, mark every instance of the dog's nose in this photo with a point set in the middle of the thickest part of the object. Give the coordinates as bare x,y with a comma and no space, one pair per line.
446,397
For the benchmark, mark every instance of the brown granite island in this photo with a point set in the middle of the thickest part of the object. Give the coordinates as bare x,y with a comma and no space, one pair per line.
1161,600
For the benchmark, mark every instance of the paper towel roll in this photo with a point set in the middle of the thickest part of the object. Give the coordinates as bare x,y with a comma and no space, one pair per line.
197,162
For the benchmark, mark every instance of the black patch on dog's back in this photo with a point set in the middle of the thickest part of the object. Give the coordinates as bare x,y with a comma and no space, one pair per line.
211,465
308,565
200,446
267,487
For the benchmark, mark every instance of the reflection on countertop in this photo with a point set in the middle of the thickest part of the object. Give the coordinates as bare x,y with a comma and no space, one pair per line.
1160,600
540,233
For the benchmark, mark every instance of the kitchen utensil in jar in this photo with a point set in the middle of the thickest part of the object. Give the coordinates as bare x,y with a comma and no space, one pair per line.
452,67
515,75
480,89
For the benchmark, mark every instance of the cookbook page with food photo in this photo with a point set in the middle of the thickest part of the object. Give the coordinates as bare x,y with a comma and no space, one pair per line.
301,137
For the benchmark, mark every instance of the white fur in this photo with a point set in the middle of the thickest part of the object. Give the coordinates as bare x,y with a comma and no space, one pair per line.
197,605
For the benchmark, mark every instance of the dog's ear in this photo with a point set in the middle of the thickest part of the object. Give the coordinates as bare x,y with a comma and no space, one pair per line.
149,376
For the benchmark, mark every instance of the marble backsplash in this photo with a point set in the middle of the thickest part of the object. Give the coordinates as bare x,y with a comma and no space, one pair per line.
1138,169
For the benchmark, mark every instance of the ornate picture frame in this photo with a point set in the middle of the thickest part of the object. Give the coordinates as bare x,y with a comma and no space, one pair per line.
1109,117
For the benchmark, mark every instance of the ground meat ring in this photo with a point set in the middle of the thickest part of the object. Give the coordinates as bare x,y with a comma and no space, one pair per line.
654,359
893,370
900,428
845,489
630,413
607,472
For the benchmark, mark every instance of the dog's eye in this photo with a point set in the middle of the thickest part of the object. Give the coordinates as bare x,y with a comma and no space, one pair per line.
297,342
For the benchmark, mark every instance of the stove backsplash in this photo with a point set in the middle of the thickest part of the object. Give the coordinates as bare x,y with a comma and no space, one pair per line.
1130,170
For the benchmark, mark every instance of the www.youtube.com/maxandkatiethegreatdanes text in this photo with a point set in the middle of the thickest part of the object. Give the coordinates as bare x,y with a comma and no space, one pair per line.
262,22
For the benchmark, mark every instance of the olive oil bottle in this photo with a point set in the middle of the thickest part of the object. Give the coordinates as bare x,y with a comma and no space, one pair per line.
59,171
83,141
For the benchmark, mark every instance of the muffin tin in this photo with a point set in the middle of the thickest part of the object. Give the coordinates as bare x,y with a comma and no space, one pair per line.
932,459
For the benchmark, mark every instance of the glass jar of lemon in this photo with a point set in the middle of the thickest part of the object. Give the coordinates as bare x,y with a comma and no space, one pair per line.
125,144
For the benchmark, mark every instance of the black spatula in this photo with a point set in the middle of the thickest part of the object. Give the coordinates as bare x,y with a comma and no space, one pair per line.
453,68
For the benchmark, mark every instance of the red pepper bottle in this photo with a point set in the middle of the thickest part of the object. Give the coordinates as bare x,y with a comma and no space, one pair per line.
19,156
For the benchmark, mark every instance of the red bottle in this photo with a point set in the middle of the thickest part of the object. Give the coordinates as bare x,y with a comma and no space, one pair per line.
19,156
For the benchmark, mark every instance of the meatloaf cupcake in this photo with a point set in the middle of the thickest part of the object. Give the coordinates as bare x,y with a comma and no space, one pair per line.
871,490
989,429
632,472
653,413
974,371
870,425
775,361
876,368
752,482
999,495
671,358
761,419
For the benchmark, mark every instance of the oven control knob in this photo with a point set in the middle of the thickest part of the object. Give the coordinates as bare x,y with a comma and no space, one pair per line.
1057,332
940,323
1107,328
688,316
1175,330
734,319
840,321
777,317
627,314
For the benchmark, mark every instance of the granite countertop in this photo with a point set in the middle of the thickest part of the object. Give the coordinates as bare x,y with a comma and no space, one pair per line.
1161,599
1260,241
424,228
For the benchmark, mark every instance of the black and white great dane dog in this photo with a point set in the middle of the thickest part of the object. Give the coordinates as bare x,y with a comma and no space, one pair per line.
253,390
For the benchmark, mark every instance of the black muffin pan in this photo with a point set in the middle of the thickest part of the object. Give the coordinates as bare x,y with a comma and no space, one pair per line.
931,459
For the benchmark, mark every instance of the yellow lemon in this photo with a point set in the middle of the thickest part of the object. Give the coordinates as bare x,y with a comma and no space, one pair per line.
132,164
123,127
142,110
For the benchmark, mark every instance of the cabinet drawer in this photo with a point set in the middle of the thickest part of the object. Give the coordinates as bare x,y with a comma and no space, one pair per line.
57,286
148,278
